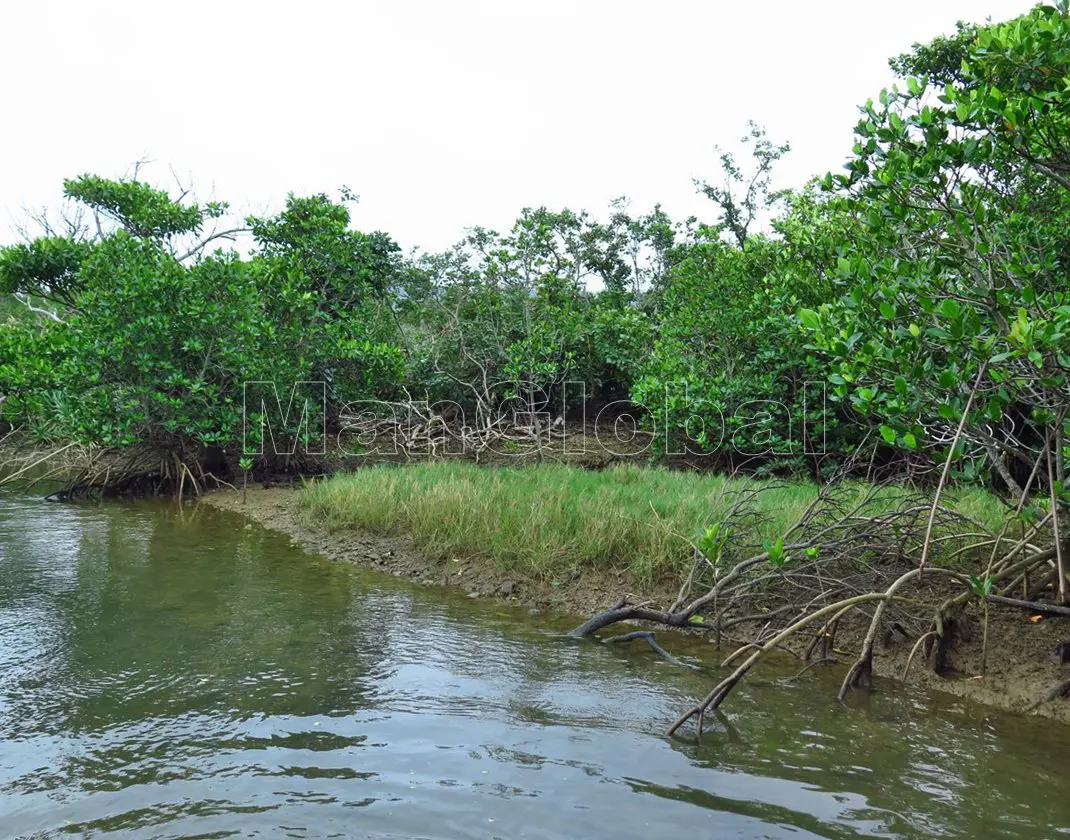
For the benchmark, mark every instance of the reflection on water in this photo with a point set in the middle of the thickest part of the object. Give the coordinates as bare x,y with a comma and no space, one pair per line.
176,673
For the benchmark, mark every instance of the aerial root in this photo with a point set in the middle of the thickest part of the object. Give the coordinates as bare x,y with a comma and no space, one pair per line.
141,471
861,672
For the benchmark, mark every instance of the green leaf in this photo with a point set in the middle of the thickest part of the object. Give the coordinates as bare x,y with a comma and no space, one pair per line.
776,551
949,308
888,433
809,319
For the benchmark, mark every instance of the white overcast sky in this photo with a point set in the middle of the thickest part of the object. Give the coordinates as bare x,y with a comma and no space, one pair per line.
440,115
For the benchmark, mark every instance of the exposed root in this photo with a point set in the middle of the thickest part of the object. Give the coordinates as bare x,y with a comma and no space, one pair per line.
419,428
845,553
7,479
149,471
826,636
1033,606
219,482
725,686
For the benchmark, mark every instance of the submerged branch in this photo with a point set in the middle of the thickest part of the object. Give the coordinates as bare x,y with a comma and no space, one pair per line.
648,637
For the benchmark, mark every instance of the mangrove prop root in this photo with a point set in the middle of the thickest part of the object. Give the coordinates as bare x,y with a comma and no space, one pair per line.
936,648
725,686
826,636
10,478
925,637
861,672
628,612
844,553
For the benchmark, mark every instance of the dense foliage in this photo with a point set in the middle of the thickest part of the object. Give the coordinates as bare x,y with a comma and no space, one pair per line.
957,307
151,346
925,288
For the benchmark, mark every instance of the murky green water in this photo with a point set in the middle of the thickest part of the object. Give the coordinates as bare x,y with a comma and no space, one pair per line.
168,673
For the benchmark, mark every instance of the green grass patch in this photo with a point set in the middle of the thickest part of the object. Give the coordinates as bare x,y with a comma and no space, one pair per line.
551,519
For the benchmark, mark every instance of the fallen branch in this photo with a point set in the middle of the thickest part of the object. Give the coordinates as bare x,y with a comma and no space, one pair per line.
650,640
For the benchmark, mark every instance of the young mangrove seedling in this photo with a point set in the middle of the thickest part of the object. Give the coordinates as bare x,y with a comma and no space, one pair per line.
246,464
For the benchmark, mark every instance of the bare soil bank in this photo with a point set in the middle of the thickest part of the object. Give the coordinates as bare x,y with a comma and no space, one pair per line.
1019,670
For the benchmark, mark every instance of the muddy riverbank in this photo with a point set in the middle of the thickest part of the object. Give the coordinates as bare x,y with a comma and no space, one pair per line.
1019,670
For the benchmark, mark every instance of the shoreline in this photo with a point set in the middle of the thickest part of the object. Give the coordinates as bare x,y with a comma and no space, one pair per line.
583,592
1019,671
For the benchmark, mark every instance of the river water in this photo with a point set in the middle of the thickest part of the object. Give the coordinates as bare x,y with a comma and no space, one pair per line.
170,672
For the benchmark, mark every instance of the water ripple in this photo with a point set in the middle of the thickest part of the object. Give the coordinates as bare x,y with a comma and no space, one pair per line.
169,673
